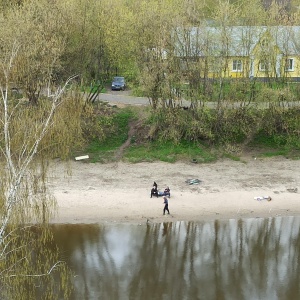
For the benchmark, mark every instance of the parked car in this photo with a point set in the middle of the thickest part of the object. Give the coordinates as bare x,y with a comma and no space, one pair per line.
118,83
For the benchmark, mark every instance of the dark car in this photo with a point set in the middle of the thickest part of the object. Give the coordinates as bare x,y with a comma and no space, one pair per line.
118,83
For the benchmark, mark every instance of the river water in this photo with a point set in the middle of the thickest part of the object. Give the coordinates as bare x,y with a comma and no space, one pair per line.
234,259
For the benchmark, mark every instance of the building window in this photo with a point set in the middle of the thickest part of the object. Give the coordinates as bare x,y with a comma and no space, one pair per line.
263,66
289,64
237,65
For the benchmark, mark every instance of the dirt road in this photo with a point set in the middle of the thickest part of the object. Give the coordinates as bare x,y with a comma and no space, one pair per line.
122,97
125,98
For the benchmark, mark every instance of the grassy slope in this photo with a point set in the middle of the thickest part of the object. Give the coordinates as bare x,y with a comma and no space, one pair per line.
138,148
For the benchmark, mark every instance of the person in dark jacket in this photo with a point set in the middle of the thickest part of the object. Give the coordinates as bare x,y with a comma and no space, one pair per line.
154,192
166,207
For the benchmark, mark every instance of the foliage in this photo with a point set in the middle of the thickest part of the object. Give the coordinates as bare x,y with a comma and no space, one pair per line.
113,125
96,41
92,118
44,42
32,269
29,136
238,125
172,134
25,198
28,139
227,125
167,125
38,42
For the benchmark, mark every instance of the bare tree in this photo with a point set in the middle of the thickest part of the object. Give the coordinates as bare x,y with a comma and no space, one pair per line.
24,198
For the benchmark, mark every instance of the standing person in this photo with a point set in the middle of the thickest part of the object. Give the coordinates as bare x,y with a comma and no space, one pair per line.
166,208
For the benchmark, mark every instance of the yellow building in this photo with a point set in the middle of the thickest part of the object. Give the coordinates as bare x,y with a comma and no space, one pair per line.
240,51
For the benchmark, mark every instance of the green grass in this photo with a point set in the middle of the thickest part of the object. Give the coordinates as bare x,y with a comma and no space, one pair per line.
279,152
168,152
232,157
275,145
270,141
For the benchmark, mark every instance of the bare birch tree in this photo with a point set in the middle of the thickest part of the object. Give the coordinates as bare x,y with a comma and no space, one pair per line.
24,198
28,136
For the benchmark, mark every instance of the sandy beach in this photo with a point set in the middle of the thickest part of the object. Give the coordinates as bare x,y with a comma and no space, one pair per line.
120,192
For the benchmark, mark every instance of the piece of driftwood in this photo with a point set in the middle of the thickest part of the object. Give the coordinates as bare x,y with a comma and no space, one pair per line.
81,157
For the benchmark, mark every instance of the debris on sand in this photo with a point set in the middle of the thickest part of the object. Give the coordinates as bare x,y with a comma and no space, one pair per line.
293,190
260,198
193,181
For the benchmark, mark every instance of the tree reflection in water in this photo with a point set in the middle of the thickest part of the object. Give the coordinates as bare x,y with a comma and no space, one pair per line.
234,259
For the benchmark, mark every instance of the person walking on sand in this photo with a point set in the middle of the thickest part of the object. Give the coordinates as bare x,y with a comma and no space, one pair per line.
166,207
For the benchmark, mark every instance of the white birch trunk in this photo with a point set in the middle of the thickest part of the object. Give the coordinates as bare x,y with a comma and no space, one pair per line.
17,171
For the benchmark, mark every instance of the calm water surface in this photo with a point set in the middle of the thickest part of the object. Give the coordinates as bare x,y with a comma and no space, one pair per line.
234,259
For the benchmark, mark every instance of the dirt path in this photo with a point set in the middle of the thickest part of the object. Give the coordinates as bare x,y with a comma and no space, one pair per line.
132,131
